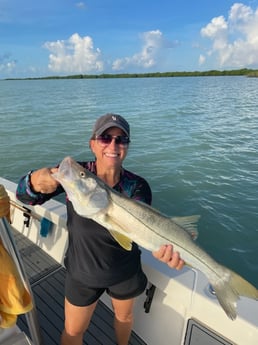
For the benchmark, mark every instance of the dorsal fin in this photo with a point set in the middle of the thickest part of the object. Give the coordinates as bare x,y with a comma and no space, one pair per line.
189,224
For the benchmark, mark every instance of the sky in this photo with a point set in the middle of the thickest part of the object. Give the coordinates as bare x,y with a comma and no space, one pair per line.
66,37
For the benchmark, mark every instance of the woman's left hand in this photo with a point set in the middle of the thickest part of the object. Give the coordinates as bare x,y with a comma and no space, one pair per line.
167,255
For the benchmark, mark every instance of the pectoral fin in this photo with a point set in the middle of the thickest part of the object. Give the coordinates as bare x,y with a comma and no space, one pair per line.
124,241
115,230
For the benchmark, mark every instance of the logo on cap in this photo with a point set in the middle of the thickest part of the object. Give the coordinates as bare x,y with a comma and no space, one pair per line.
113,118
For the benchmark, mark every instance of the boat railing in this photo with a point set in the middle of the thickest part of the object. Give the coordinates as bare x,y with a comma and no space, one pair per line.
7,240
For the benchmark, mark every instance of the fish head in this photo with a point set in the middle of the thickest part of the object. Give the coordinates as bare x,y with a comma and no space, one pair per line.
81,188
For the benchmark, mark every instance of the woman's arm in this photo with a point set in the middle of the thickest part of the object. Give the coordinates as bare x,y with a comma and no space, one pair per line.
38,186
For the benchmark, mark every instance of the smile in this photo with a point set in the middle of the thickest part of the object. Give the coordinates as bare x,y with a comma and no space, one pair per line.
112,155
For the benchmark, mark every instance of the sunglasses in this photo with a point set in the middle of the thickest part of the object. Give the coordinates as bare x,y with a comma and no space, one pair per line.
106,139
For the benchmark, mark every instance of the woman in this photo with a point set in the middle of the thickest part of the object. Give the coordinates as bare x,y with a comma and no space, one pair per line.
95,262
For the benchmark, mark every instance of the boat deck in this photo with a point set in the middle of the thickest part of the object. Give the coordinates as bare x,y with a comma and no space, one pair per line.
47,281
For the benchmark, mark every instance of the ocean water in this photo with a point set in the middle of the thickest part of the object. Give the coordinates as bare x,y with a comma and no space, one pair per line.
194,139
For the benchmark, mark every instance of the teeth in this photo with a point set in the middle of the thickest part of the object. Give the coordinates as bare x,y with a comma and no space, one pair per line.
111,155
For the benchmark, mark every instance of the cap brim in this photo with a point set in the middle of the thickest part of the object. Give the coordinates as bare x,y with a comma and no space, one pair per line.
109,125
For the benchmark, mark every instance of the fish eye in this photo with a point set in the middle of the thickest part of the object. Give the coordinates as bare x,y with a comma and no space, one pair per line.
82,174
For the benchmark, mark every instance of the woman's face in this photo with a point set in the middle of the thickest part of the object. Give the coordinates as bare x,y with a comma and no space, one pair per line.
110,155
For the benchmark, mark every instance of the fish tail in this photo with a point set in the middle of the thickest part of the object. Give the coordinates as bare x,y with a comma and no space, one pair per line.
229,288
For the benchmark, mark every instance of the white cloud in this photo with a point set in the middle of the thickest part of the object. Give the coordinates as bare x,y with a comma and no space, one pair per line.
235,39
153,43
7,64
75,55
202,59
80,5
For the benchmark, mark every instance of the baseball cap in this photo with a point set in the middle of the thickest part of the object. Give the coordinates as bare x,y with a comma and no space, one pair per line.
110,120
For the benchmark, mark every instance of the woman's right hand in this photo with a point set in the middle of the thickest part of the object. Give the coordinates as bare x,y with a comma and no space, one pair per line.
42,181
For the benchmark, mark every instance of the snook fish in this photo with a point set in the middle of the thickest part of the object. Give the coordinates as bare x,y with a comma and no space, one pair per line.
129,220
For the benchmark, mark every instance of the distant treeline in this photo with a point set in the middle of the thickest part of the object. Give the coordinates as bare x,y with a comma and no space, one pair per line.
244,72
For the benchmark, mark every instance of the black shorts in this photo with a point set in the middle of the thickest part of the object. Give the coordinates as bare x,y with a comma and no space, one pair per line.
81,295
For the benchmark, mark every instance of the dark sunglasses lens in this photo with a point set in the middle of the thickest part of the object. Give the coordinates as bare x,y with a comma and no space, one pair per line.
122,140
119,140
105,139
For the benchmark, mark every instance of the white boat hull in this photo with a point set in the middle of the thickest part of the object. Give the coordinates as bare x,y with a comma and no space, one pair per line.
179,296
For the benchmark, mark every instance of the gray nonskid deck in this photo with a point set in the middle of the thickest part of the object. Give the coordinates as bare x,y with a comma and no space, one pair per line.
47,281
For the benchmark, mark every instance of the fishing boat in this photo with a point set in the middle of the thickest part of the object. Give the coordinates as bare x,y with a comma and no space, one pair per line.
179,307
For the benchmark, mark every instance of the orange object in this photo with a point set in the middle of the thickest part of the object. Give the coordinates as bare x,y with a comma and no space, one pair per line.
14,297
4,204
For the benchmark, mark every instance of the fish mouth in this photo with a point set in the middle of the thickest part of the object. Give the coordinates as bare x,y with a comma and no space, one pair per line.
66,171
